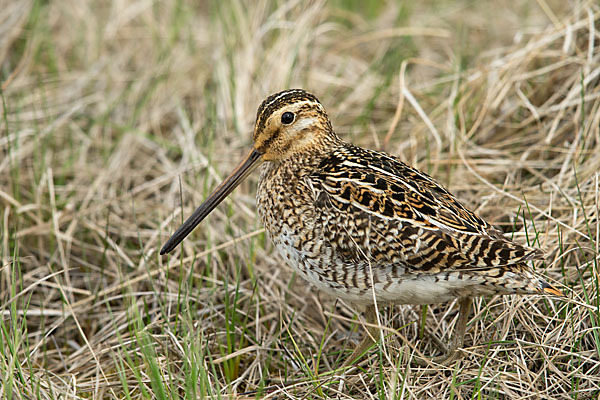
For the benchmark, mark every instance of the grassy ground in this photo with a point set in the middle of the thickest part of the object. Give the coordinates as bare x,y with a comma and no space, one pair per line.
119,117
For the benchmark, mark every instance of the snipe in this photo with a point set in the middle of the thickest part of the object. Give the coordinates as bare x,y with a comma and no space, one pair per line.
362,225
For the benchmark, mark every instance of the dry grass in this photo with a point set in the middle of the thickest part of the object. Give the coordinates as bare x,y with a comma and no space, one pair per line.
113,112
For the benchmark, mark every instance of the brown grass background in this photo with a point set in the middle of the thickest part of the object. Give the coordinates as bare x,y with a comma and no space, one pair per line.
118,117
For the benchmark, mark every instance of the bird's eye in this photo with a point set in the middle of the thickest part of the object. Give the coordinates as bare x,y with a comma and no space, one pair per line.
287,118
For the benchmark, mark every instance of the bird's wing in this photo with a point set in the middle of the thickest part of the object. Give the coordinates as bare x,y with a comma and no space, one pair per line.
417,221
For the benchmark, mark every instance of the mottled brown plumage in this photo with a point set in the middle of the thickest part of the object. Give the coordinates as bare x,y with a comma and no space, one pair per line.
361,224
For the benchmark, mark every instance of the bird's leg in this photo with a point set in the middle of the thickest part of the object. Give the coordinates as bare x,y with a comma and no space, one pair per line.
464,312
371,336
458,336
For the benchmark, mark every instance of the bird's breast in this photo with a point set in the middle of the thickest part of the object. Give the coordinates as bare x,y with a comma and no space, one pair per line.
286,206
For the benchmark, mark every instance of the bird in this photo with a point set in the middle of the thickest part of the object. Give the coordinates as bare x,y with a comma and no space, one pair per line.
363,226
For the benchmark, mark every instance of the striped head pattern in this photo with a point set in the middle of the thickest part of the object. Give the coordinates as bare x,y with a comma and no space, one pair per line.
291,122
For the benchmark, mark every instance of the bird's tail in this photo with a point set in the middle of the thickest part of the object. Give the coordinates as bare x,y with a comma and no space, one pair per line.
546,288
519,280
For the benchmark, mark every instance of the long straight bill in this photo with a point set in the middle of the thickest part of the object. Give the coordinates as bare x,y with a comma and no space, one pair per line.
217,196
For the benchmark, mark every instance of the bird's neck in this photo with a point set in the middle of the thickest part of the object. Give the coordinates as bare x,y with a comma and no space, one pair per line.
307,160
